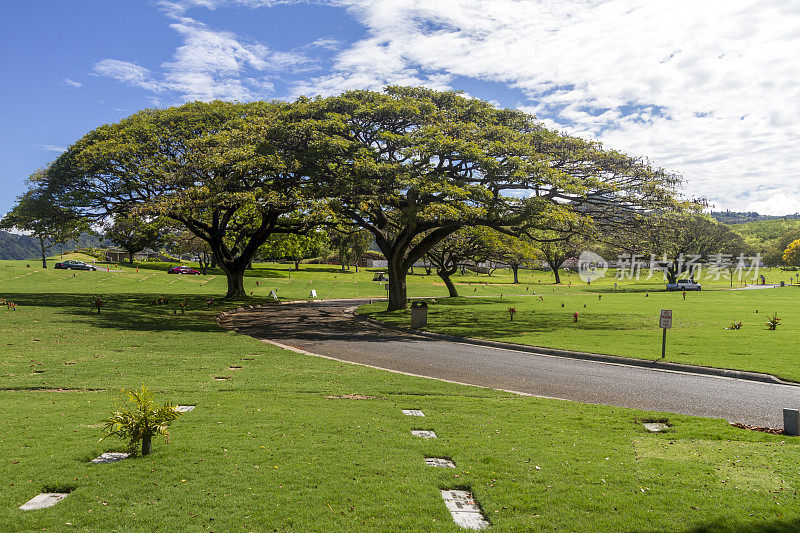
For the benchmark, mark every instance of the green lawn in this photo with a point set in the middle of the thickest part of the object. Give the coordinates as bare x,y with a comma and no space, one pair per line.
626,323
266,450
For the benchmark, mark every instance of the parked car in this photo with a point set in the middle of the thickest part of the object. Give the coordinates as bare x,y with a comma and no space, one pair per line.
684,285
71,264
182,270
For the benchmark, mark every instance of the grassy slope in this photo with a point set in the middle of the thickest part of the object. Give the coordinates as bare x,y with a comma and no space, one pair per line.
266,450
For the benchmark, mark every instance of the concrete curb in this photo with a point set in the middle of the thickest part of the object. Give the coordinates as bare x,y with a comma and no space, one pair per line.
615,359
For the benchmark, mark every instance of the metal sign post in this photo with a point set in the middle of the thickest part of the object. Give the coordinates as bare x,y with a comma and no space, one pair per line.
664,322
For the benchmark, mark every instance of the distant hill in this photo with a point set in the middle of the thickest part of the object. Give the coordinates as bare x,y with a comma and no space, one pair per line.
740,217
14,246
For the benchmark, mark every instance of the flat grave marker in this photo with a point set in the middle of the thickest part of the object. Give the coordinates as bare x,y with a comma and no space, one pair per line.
110,457
413,412
439,462
464,509
655,427
424,433
43,500
184,408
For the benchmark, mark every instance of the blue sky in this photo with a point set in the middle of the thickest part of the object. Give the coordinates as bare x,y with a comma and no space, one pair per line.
708,90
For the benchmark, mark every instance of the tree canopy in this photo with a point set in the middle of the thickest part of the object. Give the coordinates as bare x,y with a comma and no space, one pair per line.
413,165
220,169
409,165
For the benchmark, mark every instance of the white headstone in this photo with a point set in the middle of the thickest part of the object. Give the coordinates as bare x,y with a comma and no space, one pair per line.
313,293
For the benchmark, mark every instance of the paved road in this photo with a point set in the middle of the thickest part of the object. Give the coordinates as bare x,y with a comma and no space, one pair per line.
326,328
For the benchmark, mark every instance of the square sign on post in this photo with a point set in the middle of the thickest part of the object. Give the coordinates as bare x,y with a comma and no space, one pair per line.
665,319
664,322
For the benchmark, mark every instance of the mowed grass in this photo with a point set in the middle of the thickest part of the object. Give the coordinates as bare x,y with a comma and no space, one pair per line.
266,449
626,323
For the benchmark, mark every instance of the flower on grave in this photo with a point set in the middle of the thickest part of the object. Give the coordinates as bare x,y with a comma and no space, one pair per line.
575,316
98,303
562,304
512,311
599,296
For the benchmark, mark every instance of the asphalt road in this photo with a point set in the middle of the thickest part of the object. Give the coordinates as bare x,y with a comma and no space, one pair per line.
326,328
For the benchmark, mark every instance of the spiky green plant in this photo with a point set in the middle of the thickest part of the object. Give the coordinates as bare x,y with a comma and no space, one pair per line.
142,422
773,322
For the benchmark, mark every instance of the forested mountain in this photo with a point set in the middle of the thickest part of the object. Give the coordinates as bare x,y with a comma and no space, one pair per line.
739,217
13,246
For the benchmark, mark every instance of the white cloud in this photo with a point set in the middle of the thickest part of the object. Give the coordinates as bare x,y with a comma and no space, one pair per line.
210,64
706,88
127,72
72,83
50,147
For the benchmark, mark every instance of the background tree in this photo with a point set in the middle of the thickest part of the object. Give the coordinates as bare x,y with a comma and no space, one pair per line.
185,242
413,166
555,249
37,213
514,252
350,244
134,234
296,247
791,255
224,170
466,246
677,240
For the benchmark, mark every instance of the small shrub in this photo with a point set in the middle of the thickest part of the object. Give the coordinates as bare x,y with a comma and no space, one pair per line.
773,322
142,422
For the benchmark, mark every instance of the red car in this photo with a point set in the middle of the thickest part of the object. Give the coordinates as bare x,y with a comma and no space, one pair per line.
182,270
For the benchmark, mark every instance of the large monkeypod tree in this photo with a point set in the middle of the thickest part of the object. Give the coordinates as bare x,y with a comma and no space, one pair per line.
413,165
212,167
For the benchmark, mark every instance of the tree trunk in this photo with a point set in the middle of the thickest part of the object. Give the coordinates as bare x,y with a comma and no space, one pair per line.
130,256
451,288
147,444
297,264
515,270
44,252
397,284
235,275
556,275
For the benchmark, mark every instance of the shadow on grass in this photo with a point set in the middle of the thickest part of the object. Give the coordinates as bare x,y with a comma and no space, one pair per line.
249,273
465,317
135,312
777,526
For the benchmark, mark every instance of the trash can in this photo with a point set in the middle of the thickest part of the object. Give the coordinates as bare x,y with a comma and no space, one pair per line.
419,315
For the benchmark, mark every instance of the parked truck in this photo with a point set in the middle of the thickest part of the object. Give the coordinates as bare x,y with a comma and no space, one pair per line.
684,285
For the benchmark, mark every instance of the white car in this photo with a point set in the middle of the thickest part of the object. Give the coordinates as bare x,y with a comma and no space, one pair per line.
684,285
